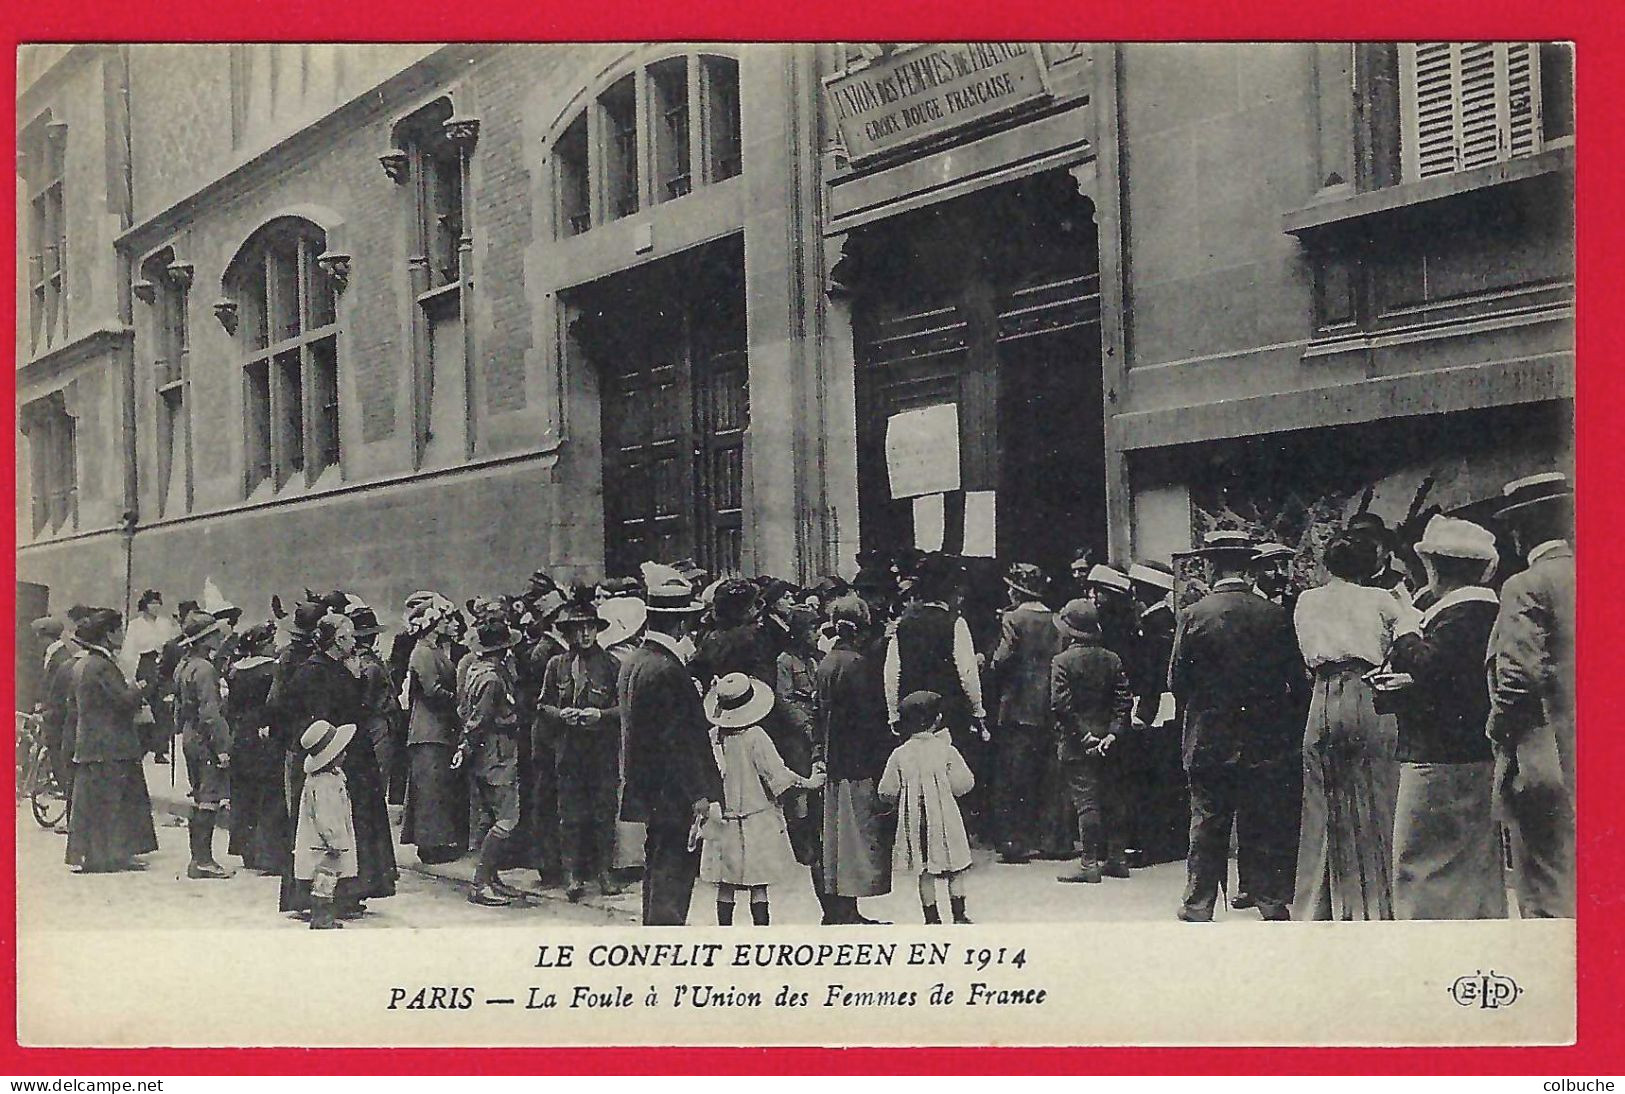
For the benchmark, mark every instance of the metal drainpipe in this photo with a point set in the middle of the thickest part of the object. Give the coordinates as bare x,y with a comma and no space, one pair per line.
126,314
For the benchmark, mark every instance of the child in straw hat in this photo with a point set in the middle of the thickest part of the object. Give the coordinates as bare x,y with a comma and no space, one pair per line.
324,841
747,845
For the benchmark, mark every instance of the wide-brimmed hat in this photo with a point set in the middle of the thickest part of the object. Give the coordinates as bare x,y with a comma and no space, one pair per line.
668,591
305,616
849,609
1026,578
624,617
1453,537
1372,526
1154,574
1108,577
918,710
1226,542
1079,619
1269,552
693,571
579,610
1521,495
365,620
199,626
323,741
259,637
491,635
737,700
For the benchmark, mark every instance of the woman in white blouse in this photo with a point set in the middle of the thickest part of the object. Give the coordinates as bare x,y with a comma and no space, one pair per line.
1350,774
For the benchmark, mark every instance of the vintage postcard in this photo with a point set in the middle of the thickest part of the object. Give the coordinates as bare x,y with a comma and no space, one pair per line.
985,543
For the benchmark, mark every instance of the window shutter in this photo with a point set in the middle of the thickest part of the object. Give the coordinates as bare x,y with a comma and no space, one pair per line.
1430,128
1524,136
1467,104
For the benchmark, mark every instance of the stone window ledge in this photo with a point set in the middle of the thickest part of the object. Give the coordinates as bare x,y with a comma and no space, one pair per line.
1347,211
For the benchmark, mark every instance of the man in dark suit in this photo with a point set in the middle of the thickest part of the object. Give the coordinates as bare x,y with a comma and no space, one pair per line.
1028,642
1531,726
671,774
1234,670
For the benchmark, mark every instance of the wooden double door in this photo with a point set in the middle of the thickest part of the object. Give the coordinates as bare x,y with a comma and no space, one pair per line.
990,303
669,341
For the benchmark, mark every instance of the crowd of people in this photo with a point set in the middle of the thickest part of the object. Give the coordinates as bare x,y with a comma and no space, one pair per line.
1367,745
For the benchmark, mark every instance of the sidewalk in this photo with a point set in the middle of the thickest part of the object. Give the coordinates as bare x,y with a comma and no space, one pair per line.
996,892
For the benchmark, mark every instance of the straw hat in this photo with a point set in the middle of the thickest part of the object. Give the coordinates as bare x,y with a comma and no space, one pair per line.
1521,494
1269,552
1154,574
1108,577
737,700
624,617
1225,542
323,741
1027,579
1456,538
668,590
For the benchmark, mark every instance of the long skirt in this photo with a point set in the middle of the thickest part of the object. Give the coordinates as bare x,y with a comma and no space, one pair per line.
1447,862
259,813
111,818
1350,783
436,817
857,840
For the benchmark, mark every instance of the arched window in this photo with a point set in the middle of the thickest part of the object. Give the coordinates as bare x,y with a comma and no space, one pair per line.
609,166
287,332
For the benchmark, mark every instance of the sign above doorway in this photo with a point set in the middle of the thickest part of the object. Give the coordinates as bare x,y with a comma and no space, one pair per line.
919,93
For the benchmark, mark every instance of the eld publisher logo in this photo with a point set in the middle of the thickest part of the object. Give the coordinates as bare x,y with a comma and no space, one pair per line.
1485,990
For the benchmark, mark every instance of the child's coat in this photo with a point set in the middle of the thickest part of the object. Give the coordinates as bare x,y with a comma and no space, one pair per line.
924,776
324,841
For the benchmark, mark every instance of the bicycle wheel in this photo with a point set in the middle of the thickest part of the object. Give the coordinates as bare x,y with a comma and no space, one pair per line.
46,800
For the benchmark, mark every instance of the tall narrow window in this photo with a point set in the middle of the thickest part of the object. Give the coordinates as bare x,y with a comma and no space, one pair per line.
575,181
668,82
720,89
289,334
1469,104
45,145
171,343
619,104
437,146
53,463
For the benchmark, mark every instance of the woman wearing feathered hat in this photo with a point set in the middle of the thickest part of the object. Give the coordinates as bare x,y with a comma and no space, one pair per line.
436,819
1447,862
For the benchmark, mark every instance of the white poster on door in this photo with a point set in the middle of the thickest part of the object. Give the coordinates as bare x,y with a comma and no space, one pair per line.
922,451
930,521
981,524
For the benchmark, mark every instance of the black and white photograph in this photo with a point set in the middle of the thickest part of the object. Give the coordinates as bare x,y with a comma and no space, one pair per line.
840,493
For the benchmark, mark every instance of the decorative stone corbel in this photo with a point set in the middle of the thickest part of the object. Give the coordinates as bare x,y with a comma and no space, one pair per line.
179,274
226,312
462,132
395,163
145,291
336,266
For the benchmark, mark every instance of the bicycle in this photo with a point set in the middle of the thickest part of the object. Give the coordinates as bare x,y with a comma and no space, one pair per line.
36,776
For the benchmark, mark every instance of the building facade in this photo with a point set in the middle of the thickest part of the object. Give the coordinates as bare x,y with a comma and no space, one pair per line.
392,317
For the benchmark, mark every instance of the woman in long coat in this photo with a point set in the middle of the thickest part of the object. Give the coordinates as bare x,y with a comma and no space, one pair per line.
1350,770
259,812
436,817
323,687
854,742
111,818
1447,862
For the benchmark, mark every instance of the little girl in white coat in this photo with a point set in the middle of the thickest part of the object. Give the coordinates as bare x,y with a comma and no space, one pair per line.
925,776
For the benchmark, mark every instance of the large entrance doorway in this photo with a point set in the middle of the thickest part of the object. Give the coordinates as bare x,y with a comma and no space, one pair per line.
669,341
990,303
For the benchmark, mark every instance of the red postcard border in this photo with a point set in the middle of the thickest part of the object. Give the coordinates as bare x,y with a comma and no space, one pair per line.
1600,73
